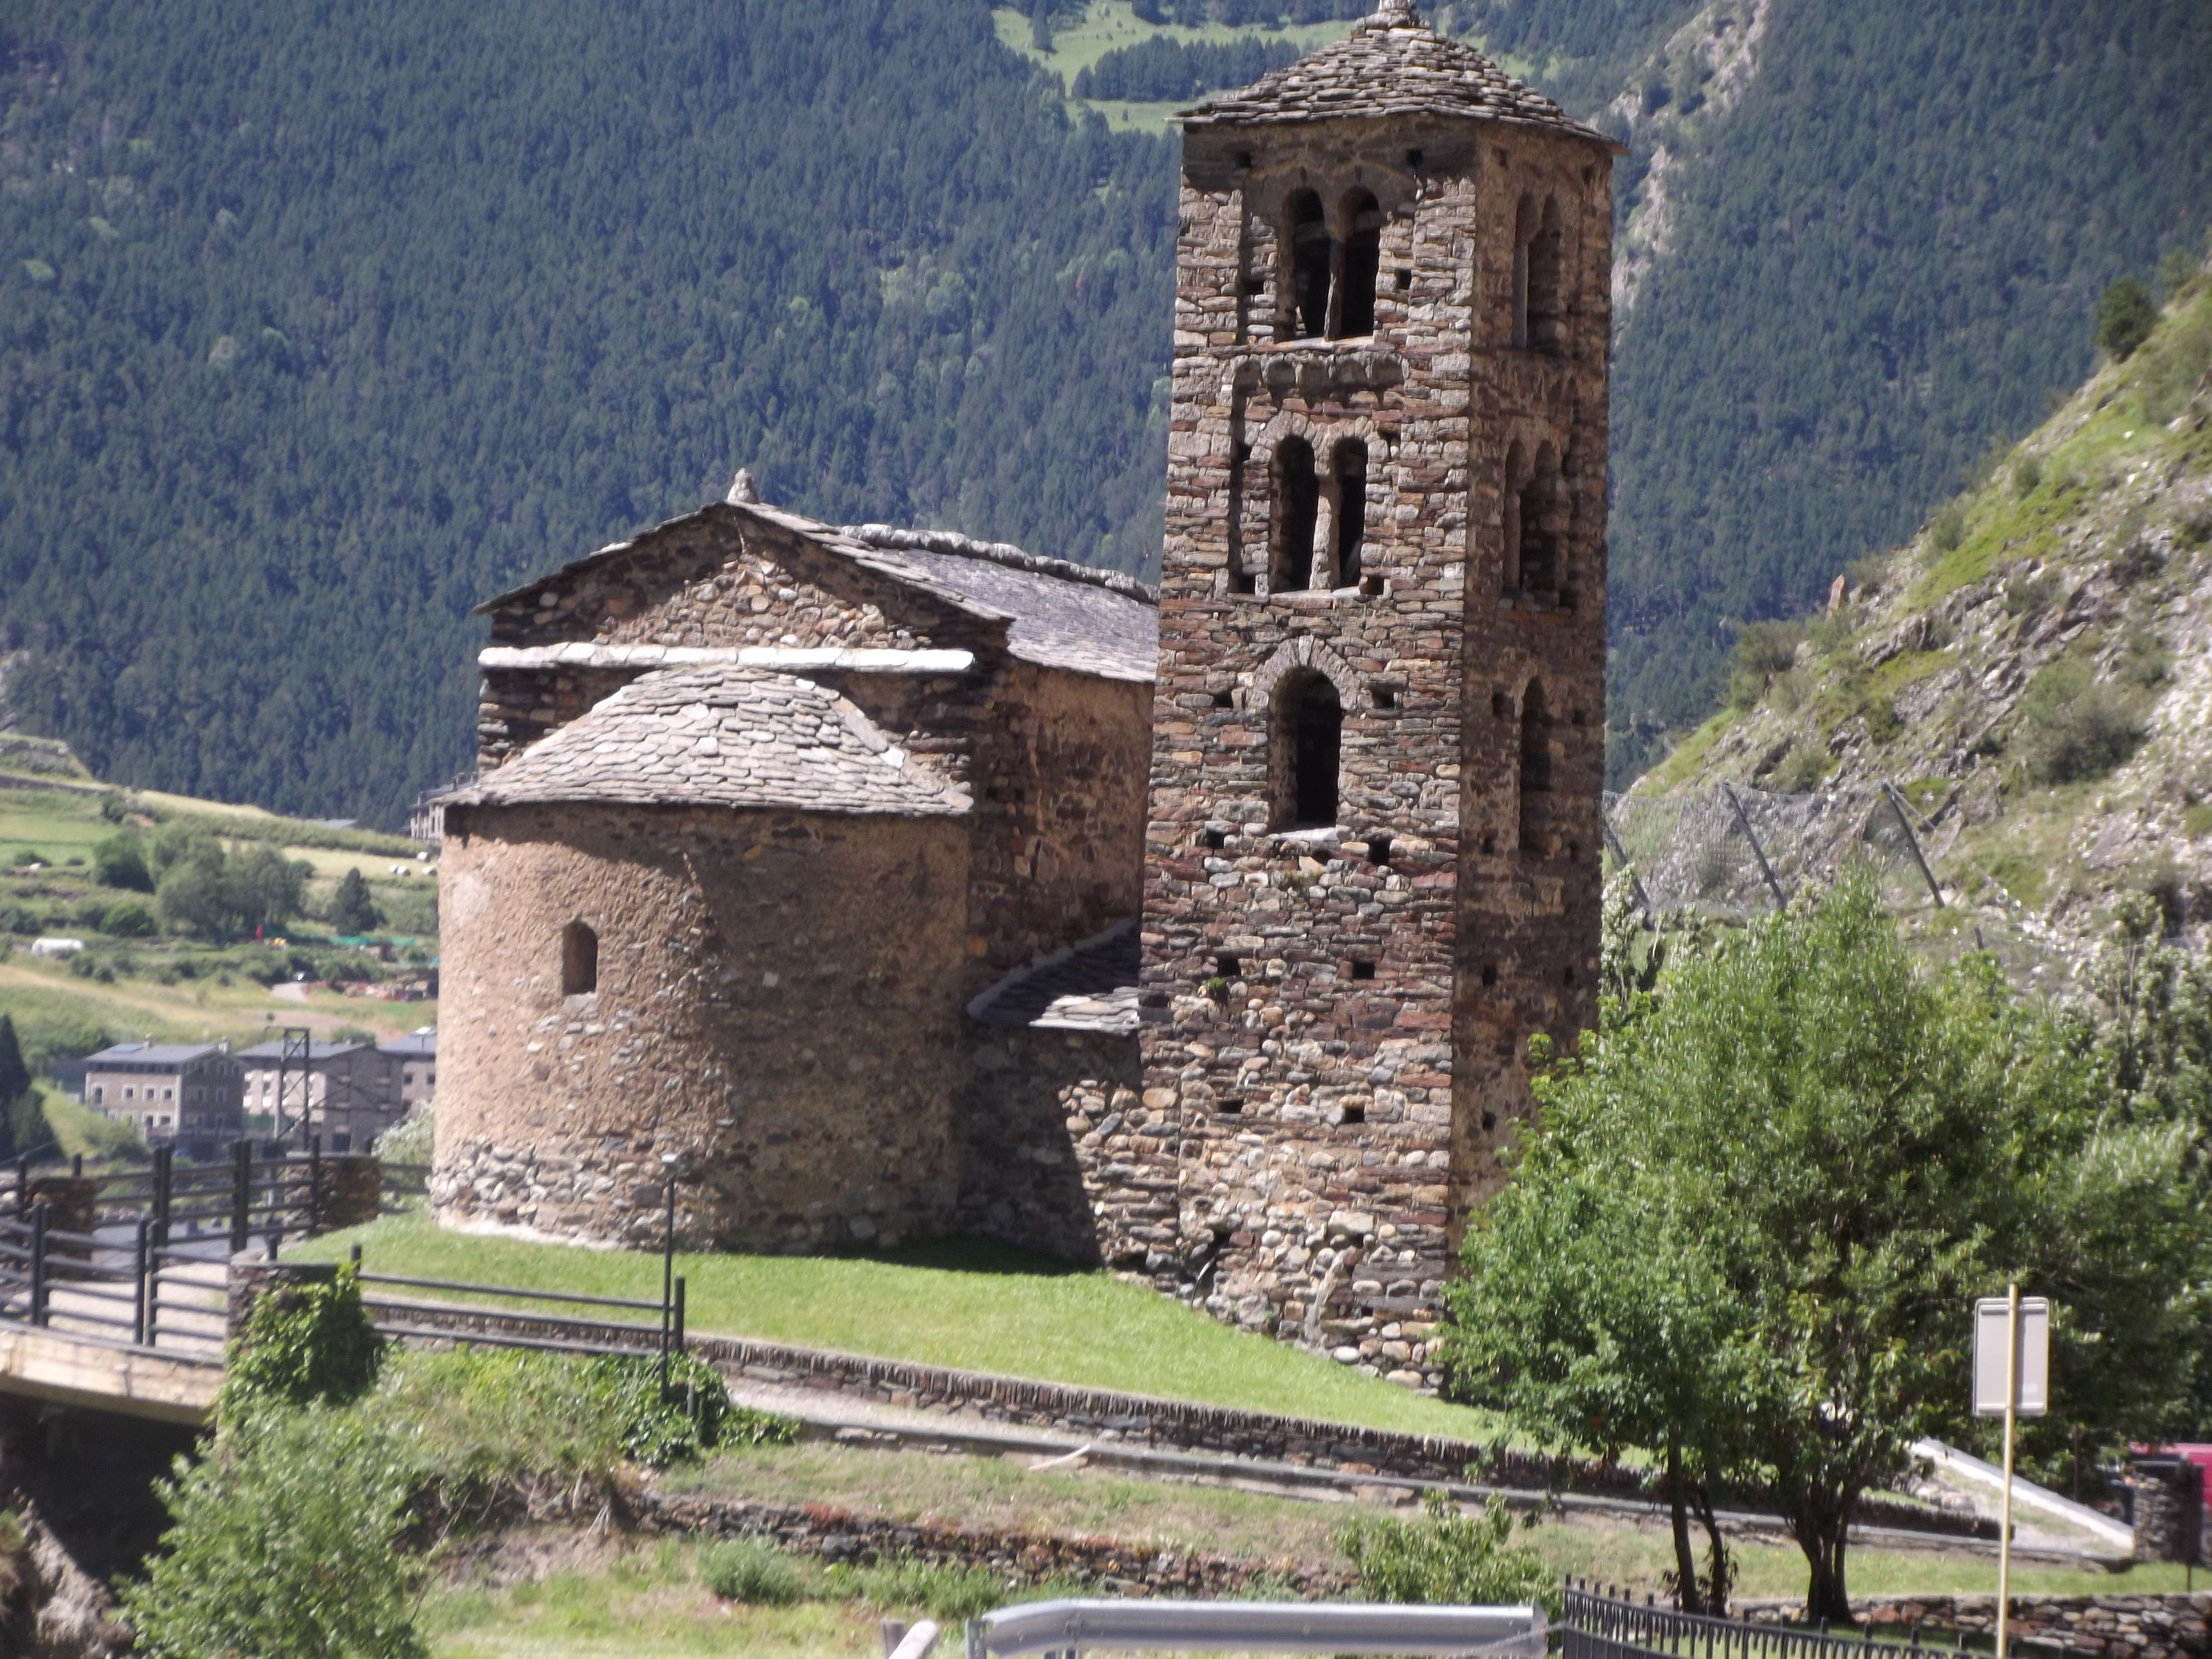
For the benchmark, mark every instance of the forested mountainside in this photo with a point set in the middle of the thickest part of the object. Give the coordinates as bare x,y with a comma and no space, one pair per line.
2033,669
318,325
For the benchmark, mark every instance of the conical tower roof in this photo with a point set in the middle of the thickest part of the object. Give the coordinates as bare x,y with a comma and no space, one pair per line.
1391,63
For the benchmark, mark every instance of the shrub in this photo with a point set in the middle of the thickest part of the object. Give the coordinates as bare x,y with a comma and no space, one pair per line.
949,1594
2125,318
696,1413
282,1544
130,920
1447,1557
411,1140
120,861
1802,770
748,1570
2072,726
304,1343
2027,475
1948,528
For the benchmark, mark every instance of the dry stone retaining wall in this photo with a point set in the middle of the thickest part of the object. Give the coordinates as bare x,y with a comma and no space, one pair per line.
2116,1627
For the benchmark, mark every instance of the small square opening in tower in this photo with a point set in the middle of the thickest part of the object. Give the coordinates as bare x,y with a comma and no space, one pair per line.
1229,1106
1490,973
1378,849
1355,1112
1383,696
1363,971
1225,700
1212,840
1229,967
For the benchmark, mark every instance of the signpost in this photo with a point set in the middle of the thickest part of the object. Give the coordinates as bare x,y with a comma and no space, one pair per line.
2011,1380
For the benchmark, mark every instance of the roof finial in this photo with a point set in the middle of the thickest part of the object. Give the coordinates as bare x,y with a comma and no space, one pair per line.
1396,11
741,492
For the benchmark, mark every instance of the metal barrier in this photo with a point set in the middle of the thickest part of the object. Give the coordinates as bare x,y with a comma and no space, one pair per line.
1069,1627
260,1191
489,1324
1597,1625
133,1289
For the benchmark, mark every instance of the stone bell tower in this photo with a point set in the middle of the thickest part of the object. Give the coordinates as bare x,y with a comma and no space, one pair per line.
1372,854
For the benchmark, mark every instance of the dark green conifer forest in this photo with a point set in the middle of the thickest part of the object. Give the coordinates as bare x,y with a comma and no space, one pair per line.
318,324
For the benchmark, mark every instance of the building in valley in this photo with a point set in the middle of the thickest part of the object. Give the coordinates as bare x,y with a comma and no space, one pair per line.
185,1094
888,883
349,1093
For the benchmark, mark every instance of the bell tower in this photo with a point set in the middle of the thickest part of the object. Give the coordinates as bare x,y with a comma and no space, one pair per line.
1372,854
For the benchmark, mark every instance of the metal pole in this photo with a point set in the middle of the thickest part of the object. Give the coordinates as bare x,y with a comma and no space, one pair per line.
23,1186
1897,806
2011,1420
667,1261
1635,881
138,1285
679,1313
1781,900
314,1186
241,1195
39,1262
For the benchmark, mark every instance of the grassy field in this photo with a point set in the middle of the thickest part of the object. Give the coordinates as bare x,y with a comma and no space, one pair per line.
37,993
981,1307
554,1595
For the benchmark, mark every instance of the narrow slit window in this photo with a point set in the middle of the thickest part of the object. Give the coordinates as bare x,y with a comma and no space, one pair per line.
580,960
1537,520
1363,258
1298,506
1545,332
1526,224
1350,510
1535,772
1313,258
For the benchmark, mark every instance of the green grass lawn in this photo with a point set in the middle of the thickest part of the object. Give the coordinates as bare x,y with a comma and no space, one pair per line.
981,1307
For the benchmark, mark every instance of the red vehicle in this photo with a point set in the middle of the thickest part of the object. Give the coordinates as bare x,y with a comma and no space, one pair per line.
2196,1452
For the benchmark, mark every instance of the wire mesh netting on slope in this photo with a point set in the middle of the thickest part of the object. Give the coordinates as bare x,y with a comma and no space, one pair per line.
1730,853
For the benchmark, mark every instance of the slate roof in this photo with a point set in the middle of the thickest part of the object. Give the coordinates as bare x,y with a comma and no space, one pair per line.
1091,986
1065,615
416,1045
317,1051
721,736
1391,63
151,1054
1059,614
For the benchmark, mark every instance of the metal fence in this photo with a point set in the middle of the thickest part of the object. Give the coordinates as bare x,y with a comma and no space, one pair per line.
1595,1625
1071,1627
132,1290
490,1318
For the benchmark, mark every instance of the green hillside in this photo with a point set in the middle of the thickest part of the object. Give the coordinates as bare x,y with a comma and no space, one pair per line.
306,347
318,325
2033,669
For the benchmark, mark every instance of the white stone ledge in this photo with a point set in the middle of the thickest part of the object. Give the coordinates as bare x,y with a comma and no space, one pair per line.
789,660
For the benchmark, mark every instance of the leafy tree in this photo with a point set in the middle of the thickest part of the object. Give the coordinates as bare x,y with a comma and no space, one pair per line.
352,910
14,1088
1828,1152
205,890
2126,317
129,920
120,861
304,1344
1447,1557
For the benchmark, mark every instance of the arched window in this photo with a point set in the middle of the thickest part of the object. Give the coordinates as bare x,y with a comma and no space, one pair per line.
580,960
1363,256
1545,332
1298,502
1538,521
1539,317
1536,771
1351,471
1516,480
1313,259
1307,737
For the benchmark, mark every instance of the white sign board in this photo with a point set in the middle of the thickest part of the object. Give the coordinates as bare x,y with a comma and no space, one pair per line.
1990,1356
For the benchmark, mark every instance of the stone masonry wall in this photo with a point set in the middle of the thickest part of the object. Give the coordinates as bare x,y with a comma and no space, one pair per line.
1305,994
1060,1155
2118,1627
810,1102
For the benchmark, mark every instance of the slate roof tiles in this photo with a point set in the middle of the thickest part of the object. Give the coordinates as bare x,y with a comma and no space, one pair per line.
1391,63
722,736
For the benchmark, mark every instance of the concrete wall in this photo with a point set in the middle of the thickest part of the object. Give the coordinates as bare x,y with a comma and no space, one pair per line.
1344,1036
778,1003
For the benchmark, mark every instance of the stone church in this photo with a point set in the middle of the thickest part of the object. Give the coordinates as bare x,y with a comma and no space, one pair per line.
884,884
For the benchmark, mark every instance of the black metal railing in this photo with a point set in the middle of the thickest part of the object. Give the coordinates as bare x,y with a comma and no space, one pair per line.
261,1191
120,1284
489,1317
1597,1624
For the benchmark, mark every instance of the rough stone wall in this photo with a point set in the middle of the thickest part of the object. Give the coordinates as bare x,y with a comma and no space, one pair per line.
1061,761
1305,996
1061,1156
719,577
2118,1626
778,1003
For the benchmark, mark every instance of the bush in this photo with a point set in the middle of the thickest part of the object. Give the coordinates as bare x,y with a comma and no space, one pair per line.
2027,475
1447,1557
695,1415
2072,726
2125,318
283,1545
1948,528
130,920
747,1570
947,1592
303,1344
120,861
411,1139
1801,770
